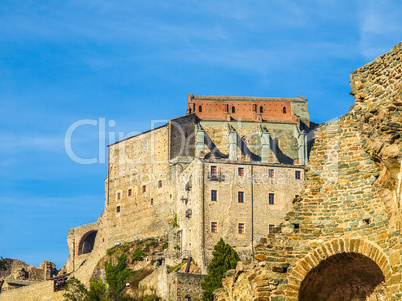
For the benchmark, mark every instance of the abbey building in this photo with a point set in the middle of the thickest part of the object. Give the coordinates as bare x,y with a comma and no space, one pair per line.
229,168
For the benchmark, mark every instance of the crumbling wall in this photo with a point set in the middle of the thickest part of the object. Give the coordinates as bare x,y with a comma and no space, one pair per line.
350,207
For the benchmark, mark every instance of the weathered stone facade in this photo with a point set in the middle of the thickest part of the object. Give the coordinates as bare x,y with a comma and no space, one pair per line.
239,157
342,240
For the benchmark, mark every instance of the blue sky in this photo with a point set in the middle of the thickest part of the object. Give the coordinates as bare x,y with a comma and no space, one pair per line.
136,61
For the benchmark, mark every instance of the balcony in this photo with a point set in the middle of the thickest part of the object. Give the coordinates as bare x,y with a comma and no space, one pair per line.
216,177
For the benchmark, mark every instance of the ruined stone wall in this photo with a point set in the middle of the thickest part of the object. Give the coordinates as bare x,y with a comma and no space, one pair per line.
349,211
42,291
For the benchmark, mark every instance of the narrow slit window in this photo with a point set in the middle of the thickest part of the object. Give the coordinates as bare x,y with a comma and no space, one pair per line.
271,229
284,110
214,195
241,228
144,188
152,202
118,209
271,199
214,227
240,197
261,109
200,109
241,171
233,109
297,175
130,192
214,171
118,195
160,184
271,173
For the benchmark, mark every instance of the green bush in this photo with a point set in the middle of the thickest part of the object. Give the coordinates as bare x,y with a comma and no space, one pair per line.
116,277
75,290
224,259
97,291
137,255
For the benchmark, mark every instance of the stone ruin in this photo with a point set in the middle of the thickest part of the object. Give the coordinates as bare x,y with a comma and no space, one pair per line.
342,240
19,274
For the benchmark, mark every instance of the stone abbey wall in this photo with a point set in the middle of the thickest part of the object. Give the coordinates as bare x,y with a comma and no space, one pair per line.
348,218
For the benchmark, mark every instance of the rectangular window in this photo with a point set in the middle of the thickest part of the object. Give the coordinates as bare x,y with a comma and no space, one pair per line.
160,184
271,173
240,197
130,191
241,171
144,188
152,201
271,199
271,229
118,196
214,171
297,175
214,227
241,228
118,209
214,195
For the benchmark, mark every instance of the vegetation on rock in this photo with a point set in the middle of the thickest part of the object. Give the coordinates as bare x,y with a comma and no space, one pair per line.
224,259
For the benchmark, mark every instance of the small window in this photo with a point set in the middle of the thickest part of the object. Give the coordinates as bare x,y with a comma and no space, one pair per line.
254,108
296,228
284,110
200,109
241,171
214,171
297,175
214,227
271,173
233,109
130,191
226,108
160,184
118,209
296,196
241,228
118,195
271,199
240,197
271,229
261,109
152,202
214,195
144,188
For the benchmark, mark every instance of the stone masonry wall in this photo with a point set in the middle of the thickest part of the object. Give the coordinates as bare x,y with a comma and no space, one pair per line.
350,204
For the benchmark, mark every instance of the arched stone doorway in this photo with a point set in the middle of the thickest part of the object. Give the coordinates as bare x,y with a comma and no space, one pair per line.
87,242
344,276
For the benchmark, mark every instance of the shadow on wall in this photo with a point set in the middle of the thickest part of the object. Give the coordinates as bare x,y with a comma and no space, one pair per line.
87,242
282,158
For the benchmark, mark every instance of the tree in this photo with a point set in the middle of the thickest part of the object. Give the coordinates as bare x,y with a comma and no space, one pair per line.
224,259
75,290
3,266
97,291
116,277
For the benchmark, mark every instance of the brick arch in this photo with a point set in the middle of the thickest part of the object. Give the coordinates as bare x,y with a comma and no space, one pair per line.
331,248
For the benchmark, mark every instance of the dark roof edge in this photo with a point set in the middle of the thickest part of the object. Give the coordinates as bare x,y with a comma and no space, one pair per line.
157,128
248,98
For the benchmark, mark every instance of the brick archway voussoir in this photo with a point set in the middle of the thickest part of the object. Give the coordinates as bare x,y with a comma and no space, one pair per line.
333,247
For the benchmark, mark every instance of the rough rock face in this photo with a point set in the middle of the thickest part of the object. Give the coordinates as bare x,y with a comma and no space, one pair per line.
348,218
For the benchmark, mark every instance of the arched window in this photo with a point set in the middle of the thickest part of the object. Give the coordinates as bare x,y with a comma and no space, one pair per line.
261,109
284,110
200,109
233,109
